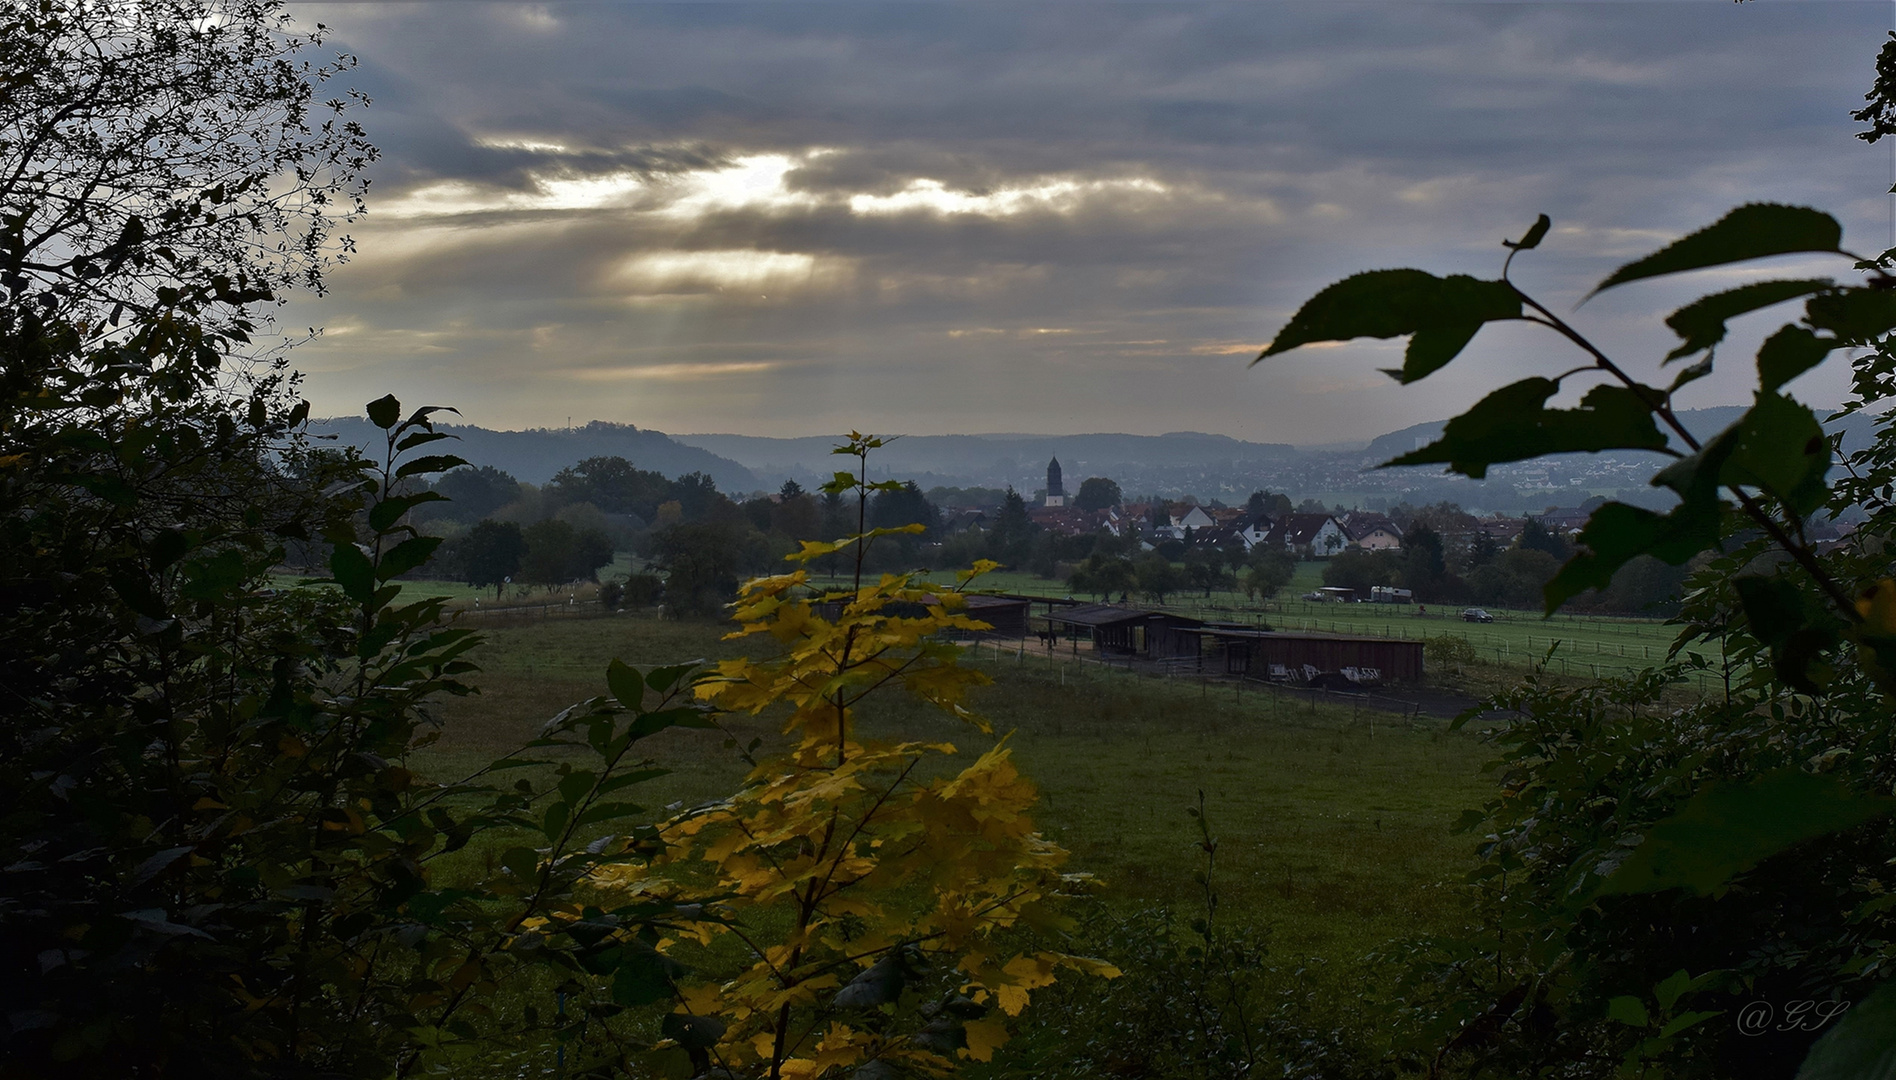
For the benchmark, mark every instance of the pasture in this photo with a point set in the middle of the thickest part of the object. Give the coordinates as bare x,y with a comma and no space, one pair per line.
1334,823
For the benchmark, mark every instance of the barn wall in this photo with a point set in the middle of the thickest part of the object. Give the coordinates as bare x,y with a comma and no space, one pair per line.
1399,661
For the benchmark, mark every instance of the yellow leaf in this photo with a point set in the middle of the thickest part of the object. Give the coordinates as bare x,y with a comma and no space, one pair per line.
1877,605
984,1037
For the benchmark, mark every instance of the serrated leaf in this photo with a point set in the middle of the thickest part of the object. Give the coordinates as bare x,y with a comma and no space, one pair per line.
1513,424
1856,316
385,412
1617,533
1728,828
1701,323
1779,445
1753,231
1444,313
1863,1044
1789,353
1691,373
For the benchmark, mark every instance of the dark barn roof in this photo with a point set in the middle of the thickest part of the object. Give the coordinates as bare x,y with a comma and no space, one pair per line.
1114,615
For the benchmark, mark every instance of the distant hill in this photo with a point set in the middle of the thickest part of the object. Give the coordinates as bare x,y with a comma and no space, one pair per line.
535,455
996,460
1209,466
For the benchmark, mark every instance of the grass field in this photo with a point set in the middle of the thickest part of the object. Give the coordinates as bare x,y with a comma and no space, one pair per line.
1334,824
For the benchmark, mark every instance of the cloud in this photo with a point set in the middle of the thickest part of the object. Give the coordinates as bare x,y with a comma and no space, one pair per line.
796,218
673,372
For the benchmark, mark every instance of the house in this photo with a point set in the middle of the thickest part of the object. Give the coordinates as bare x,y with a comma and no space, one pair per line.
1373,532
1065,520
1504,531
1564,521
1253,529
1317,535
1194,518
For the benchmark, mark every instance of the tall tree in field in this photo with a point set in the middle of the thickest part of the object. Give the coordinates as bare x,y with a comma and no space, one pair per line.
490,553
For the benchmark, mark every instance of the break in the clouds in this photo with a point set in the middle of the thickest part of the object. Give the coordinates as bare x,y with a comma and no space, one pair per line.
790,219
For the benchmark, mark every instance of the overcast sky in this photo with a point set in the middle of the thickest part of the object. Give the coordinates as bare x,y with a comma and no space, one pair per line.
802,218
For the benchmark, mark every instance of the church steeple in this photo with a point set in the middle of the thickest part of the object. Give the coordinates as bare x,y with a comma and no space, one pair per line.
1056,494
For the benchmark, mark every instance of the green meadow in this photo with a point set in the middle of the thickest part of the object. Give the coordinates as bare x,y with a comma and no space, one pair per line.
1334,822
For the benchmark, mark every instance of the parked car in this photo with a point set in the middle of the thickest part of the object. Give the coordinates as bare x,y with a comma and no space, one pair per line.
1475,614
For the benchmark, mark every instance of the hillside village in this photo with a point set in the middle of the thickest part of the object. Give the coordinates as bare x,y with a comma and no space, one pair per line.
685,542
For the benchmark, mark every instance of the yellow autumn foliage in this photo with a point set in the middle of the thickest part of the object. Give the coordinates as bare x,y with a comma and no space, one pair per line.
857,866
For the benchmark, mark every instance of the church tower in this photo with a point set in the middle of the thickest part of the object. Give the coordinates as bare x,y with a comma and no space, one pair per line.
1056,495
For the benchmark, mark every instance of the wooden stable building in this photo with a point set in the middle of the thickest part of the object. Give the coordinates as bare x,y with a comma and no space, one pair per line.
1252,653
1123,631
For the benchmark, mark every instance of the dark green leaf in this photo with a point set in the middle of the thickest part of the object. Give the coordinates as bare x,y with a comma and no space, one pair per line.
522,862
385,412
575,785
386,513
1753,231
1691,373
607,811
429,463
353,571
1535,234
1432,348
1628,1010
1863,1044
1789,353
624,780
407,555
662,679
1513,424
1796,630
643,977
1779,445
421,438
1618,533
626,685
1728,828
553,822
692,1032
1701,323
138,595
1443,312
1855,316
206,578
168,546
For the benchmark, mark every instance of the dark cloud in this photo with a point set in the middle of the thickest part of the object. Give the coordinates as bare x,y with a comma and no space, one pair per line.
787,218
